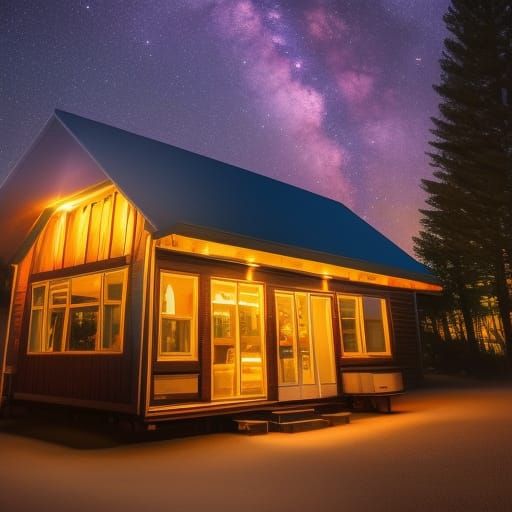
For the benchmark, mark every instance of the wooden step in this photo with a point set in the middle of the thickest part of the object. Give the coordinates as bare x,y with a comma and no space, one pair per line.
252,427
287,415
337,418
291,427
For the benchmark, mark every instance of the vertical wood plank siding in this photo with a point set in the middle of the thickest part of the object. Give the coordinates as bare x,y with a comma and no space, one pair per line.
114,378
95,378
401,315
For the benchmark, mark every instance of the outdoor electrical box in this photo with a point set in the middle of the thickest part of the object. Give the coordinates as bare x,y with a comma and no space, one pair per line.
368,383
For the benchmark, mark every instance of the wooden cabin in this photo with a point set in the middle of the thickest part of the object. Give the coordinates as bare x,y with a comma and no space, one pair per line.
159,283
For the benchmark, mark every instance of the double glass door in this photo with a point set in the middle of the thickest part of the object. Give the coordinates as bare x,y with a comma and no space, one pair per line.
238,349
305,346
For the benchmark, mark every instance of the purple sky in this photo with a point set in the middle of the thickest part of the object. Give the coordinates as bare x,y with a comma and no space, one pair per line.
332,96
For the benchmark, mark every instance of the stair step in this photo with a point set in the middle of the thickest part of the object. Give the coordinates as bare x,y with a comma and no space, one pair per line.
290,427
292,415
337,418
252,427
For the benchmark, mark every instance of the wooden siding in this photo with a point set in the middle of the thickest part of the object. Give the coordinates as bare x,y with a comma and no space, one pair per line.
17,312
401,313
78,379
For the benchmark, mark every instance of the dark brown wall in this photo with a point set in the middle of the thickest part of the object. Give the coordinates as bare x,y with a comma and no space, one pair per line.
114,378
400,303
95,378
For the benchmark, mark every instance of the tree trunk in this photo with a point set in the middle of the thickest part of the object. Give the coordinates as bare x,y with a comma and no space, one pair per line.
467,316
446,327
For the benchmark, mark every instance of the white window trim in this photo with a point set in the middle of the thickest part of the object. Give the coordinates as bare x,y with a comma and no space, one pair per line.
69,307
191,355
360,330
42,308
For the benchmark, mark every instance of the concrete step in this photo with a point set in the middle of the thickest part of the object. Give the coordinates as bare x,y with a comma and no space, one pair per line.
291,427
287,415
252,427
337,418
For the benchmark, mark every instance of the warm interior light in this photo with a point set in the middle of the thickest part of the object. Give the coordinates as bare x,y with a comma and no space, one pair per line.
253,359
170,301
253,265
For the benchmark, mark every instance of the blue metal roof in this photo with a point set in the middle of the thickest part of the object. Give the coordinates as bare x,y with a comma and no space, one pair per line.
174,188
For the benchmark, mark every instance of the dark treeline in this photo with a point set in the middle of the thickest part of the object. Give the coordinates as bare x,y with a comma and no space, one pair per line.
466,235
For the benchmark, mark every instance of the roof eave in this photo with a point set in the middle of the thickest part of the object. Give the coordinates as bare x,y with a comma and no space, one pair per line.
205,233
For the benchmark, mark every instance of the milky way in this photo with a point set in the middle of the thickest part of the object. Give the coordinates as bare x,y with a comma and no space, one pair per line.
334,97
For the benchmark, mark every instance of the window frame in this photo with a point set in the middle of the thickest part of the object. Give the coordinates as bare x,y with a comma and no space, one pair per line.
44,313
69,307
52,288
193,354
360,326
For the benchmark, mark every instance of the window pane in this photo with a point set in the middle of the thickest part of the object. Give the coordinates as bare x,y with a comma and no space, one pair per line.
111,327
306,359
84,328
38,293
177,295
348,327
55,330
59,293
321,325
36,327
59,297
114,286
286,339
177,315
175,335
85,289
251,340
225,367
373,324
349,324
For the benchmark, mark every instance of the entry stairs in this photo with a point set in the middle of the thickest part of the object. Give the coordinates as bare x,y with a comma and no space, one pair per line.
291,420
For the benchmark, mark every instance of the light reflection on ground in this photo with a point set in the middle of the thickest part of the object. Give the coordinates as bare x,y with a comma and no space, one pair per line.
443,450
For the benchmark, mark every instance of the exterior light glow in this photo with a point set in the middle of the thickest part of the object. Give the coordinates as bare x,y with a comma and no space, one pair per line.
323,271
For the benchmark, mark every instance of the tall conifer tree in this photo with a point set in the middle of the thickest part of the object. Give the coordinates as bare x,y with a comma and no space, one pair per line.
467,229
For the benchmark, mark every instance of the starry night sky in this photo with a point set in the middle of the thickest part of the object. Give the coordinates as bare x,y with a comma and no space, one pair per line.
331,96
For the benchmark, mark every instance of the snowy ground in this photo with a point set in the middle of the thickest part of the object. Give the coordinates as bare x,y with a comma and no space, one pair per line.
444,450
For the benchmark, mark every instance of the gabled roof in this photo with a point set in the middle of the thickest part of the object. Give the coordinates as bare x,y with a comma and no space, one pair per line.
181,191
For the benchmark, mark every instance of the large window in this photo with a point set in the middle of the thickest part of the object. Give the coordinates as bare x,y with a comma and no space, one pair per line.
79,314
238,352
364,326
178,317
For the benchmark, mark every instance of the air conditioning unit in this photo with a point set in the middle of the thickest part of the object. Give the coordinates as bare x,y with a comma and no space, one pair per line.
370,383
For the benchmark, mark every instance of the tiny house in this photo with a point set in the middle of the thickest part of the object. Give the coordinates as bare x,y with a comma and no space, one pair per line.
159,283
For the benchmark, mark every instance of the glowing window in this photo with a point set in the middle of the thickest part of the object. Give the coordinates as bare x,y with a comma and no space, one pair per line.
364,326
37,313
178,317
80,314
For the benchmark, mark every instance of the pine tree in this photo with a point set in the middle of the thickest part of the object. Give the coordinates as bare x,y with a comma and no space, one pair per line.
467,230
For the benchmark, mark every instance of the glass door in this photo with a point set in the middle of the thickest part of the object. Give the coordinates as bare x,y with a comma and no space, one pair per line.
238,363
305,346
321,327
